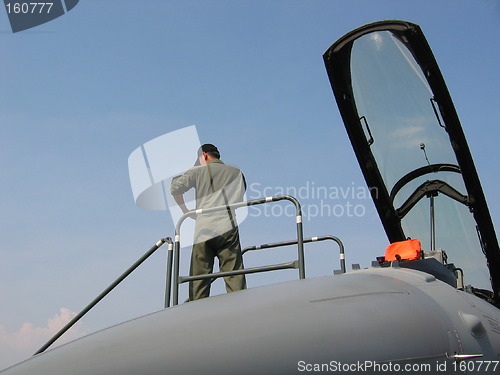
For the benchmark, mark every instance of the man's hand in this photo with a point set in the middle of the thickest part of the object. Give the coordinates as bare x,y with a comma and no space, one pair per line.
179,199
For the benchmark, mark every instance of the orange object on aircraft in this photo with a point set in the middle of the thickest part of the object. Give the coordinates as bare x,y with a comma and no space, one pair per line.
404,250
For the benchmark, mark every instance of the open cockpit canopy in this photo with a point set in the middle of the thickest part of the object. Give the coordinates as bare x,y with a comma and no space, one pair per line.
411,148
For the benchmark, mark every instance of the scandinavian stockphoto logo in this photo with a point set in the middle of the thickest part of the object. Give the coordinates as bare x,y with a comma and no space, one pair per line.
25,15
317,200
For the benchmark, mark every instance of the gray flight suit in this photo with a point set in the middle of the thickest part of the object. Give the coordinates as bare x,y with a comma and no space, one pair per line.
216,234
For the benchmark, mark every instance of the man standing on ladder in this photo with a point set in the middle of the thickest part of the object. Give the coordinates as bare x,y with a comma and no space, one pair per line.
216,233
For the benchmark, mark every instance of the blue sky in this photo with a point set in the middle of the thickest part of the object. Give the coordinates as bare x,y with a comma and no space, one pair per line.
80,93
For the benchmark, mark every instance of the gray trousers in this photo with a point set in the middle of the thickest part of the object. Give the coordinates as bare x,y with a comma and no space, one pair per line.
227,249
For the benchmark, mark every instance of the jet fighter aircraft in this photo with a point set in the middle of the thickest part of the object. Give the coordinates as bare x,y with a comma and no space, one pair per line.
428,304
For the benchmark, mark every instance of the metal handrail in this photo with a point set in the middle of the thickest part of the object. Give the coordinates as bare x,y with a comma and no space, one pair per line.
156,246
306,240
300,242
293,264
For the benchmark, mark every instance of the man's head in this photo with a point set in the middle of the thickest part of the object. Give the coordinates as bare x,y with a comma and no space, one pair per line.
206,153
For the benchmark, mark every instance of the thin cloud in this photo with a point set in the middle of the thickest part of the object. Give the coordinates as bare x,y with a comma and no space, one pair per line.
22,344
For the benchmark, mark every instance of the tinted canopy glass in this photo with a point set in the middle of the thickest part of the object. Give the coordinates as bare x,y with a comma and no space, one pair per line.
403,126
411,148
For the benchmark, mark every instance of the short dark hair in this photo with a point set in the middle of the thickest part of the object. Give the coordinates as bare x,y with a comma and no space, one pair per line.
209,149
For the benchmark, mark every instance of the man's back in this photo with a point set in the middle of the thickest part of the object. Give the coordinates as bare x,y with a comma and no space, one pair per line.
217,184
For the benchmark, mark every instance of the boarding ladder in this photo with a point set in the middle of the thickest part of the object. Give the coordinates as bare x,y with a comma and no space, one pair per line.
173,279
